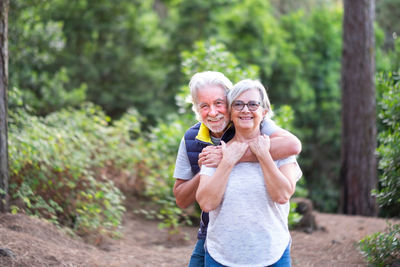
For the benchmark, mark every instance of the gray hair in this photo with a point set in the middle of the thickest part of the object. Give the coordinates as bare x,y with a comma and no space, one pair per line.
246,85
207,78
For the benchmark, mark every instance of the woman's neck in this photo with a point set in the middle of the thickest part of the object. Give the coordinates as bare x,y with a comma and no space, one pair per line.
244,136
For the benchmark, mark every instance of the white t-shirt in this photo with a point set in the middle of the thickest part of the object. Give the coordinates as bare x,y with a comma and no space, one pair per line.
248,228
182,165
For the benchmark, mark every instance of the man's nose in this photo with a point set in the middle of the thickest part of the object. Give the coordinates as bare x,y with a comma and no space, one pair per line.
213,111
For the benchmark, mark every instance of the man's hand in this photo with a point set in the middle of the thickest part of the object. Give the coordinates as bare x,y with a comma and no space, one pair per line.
210,156
260,146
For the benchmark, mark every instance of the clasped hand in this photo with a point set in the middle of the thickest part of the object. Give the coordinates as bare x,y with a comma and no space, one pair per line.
260,146
211,156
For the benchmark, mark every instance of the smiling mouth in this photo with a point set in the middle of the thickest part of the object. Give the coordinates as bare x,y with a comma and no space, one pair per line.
246,118
213,121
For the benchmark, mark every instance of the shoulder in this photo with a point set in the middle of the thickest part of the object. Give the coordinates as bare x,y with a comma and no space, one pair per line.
268,126
191,133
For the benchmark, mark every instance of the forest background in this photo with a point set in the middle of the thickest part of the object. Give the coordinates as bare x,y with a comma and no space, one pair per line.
98,98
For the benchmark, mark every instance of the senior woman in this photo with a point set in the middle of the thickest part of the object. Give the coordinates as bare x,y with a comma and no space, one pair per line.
248,202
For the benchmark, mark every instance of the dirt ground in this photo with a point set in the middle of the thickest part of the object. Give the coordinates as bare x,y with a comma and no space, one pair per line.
32,242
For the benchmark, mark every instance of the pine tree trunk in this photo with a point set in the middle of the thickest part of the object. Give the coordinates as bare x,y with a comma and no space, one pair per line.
359,164
4,4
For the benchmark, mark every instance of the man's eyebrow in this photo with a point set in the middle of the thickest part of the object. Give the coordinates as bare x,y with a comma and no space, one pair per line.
219,99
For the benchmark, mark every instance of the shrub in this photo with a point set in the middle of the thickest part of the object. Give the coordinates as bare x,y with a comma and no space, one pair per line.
57,167
388,194
156,171
382,249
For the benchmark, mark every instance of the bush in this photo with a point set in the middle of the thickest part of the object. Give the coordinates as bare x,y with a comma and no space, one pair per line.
57,167
382,249
388,194
157,170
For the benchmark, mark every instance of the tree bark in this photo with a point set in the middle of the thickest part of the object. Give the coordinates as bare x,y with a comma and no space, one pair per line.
358,159
4,175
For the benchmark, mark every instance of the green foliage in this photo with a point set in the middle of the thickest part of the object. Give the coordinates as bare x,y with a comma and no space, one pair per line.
58,163
387,14
294,217
382,249
284,115
65,52
388,194
157,170
214,56
307,77
394,55
251,32
119,51
35,48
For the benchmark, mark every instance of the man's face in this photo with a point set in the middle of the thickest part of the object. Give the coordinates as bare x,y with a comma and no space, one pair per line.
212,107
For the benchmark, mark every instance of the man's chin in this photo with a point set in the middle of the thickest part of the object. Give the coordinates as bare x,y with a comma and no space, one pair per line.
216,129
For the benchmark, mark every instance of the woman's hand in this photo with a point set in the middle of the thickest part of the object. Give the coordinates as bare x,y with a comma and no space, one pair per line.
233,152
210,156
260,146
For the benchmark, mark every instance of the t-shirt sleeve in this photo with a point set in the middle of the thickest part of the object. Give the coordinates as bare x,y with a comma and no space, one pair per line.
268,126
183,169
207,170
290,159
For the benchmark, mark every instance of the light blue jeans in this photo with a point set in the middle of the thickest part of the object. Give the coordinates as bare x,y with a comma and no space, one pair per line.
284,261
197,258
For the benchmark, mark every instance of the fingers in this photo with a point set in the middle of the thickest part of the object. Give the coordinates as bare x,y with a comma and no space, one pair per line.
212,160
266,137
223,145
211,148
211,156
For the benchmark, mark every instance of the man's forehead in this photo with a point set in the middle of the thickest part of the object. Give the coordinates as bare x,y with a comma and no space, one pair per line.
212,99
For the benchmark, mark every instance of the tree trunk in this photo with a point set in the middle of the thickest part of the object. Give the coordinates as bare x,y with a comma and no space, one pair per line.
359,163
4,4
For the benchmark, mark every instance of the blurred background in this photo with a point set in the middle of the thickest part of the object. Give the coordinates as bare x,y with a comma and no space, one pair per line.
98,97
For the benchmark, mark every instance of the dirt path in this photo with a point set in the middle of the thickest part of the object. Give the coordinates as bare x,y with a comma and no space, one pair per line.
38,243
333,247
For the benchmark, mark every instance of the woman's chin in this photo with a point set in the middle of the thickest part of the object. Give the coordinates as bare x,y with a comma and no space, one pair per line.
245,126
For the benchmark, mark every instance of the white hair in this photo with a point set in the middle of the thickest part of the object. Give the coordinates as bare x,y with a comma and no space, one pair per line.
207,78
248,84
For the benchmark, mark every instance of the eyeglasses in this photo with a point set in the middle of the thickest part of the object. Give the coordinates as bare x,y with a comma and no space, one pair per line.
251,105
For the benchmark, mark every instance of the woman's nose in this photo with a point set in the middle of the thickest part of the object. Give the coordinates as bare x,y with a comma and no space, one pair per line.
245,107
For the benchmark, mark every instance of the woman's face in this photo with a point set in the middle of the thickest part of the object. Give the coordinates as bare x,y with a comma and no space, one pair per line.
247,119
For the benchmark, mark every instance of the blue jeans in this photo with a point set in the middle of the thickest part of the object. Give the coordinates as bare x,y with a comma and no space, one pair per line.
284,261
197,258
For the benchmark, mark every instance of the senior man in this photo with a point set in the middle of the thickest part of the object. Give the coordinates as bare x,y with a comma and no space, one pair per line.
200,144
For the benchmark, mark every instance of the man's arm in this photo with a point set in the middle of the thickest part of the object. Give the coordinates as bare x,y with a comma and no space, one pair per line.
185,184
185,191
284,144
